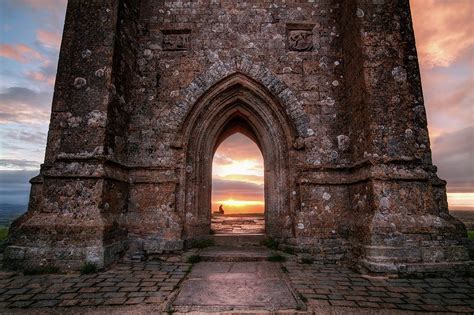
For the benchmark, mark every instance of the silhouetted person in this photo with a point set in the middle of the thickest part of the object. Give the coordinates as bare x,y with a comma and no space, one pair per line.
221,209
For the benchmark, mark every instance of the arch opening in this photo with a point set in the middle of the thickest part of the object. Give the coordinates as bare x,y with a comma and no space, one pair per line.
237,104
237,201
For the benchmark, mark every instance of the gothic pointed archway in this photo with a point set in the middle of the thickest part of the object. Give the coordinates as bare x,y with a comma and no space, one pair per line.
237,104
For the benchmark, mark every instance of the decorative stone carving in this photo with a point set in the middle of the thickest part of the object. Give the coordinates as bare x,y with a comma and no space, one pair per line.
300,40
299,144
176,40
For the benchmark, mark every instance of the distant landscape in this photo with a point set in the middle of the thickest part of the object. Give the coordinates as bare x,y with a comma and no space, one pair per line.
9,212
466,216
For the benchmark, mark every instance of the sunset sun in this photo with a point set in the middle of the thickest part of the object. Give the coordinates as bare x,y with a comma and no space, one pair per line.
240,203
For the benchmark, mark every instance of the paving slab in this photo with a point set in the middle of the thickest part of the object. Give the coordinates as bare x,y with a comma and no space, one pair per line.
240,240
225,286
235,254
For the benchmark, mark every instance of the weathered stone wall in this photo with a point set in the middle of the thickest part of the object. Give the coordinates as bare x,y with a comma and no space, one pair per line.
72,221
330,91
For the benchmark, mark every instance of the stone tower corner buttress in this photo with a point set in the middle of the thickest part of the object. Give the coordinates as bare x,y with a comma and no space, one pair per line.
71,218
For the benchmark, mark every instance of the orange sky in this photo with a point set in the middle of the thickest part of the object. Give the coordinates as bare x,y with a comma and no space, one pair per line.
237,176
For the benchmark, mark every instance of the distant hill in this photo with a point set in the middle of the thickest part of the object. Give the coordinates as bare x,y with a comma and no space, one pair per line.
9,212
466,216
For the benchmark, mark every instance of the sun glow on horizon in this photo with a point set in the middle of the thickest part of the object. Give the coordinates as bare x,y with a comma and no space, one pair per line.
240,203
232,206
461,201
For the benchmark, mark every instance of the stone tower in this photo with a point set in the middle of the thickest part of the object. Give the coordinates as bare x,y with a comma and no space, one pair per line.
328,89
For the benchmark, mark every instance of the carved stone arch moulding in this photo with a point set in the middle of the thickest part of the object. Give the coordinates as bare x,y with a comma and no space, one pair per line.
237,103
242,65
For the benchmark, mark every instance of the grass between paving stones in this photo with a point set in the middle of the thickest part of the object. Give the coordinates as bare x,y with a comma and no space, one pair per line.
302,297
44,270
289,250
307,260
470,235
193,259
276,258
202,243
88,268
270,243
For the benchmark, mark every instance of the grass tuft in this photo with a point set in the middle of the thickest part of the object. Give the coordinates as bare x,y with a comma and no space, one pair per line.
276,258
470,235
289,250
88,268
202,243
3,233
44,270
270,243
194,259
303,298
307,260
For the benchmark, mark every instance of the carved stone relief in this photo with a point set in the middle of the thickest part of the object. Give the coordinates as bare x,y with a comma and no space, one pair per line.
177,40
300,40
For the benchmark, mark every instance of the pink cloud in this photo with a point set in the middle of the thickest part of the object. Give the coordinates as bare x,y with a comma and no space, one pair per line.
20,52
41,77
451,99
222,159
23,105
453,152
237,147
449,95
49,39
45,3
443,30
445,44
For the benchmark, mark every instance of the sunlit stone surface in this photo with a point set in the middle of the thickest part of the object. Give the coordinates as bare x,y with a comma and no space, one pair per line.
238,224
220,286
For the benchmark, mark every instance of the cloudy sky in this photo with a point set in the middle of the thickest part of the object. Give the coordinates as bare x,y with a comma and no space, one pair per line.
237,176
30,35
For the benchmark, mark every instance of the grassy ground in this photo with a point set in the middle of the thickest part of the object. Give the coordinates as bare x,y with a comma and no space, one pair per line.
466,216
470,235
3,233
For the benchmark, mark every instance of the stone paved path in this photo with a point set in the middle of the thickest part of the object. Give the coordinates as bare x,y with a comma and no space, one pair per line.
324,286
152,286
125,284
